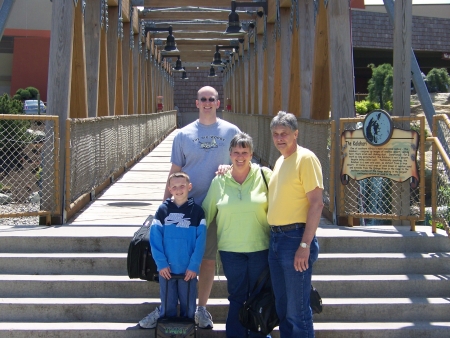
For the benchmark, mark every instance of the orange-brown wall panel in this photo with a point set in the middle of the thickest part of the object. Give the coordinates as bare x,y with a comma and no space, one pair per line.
30,64
357,4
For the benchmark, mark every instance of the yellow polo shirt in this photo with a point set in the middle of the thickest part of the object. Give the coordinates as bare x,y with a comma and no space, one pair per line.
291,179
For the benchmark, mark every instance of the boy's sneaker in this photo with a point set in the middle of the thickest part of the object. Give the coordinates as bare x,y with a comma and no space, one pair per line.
203,318
149,322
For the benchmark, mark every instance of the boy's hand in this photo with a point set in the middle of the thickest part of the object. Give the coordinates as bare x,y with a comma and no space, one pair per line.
165,273
223,169
190,275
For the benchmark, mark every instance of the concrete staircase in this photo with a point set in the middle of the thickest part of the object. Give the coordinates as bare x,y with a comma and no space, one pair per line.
71,281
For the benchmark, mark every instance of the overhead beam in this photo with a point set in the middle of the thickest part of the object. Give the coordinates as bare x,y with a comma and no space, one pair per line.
193,15
191,34
181,3
200,25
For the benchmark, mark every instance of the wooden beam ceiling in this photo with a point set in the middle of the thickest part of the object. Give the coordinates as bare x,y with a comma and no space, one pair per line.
181,3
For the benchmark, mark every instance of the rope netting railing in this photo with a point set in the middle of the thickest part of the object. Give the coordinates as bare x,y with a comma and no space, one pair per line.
314,135
440,208
29,175
379,197
99,147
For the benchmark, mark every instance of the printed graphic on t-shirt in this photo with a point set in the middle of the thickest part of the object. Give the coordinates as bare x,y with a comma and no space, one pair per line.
209,142
178,219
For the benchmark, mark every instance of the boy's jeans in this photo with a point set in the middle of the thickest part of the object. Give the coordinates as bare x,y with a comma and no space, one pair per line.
291,288
177,289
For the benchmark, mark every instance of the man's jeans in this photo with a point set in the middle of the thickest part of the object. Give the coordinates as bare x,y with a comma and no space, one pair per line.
177,289
291,288
242,271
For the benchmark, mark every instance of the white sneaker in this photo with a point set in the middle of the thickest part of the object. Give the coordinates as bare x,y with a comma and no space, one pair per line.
149,322
203,318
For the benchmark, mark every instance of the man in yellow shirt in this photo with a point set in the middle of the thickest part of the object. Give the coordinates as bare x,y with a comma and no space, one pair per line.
295,208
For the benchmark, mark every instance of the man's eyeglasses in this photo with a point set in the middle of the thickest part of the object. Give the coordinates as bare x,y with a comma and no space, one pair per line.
211,99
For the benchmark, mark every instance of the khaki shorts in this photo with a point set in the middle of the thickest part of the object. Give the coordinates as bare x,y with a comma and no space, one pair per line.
211,242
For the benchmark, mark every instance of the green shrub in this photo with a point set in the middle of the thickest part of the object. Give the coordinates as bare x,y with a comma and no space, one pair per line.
361,107
14,134
381,83
29,93
438,80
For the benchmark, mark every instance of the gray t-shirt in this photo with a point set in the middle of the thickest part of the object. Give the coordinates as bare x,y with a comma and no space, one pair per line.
199,149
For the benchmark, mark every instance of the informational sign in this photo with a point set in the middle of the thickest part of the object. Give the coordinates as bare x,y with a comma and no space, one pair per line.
378,149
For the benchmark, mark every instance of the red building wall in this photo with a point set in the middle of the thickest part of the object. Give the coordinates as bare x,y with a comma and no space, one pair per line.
30,64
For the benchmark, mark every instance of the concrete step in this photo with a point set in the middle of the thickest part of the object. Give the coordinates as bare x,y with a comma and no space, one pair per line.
374,286
87,286
407,329
384,309
116,239
61,263
134,309
90,309
383,263
115,263
94,330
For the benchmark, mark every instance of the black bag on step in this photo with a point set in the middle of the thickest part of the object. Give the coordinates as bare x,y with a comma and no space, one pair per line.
258,314
176,327
140,262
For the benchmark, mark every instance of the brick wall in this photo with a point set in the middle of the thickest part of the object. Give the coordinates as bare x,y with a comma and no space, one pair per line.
185,91
374,30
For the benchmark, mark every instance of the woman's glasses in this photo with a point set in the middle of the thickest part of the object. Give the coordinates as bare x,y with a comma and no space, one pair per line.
211,99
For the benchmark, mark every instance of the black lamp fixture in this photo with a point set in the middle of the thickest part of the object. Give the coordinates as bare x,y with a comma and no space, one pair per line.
178,67
217,62
234,26
184,75
212,72
171,47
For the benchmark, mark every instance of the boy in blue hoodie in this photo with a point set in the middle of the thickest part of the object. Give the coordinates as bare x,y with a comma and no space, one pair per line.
177,239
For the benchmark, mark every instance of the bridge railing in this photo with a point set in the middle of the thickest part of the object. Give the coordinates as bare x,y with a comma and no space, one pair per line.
440,180
100,149
314,135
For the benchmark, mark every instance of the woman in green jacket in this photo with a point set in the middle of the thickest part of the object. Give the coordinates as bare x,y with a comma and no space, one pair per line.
238,200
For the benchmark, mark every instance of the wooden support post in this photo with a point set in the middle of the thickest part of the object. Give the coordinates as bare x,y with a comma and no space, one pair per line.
286,47
269,70
306,36
92,45
112,44
126,61
341,69
402,88
78,84
103,91
59,82
321,92
295,75
119,104
277,69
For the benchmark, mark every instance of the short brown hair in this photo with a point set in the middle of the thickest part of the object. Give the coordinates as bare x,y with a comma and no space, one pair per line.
179,174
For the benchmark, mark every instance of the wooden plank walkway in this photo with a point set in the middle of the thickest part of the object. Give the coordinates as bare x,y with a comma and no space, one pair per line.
135,195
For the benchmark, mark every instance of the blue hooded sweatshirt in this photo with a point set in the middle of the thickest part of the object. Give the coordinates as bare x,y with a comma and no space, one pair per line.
178,236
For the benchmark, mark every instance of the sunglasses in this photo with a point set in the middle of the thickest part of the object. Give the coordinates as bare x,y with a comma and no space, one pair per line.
211,99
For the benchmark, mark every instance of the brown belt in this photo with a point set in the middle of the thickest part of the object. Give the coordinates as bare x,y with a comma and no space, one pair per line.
288,227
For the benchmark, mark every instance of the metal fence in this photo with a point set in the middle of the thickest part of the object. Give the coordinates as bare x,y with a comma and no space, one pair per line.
314,135
29,176
440,208
99,147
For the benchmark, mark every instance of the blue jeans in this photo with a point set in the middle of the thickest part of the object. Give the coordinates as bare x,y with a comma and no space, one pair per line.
291,288
177,289
242,271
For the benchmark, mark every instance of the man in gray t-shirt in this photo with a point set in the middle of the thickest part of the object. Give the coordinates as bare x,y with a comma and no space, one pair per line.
198,149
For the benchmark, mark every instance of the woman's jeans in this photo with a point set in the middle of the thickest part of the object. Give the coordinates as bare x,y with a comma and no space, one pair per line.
242,271
291,288
177,289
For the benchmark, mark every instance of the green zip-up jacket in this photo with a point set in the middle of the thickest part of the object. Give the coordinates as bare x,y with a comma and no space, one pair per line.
241,211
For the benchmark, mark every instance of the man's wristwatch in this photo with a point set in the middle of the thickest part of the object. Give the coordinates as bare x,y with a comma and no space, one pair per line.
304,245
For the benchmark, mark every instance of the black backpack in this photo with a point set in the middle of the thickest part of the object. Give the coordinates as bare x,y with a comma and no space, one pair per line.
258,314
140,262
